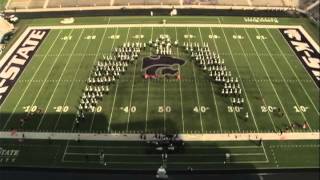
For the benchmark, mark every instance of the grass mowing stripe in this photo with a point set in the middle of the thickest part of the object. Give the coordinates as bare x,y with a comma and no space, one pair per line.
117,85
254,79
51,68
147,106
295,74
273,60
196,87
217,50
240,80
27,87
57,84
69,91
96,57
180,90
211,87
133,80
267,74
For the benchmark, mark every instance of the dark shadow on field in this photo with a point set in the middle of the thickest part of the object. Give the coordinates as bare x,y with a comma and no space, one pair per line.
92,122
164,148
153,125
53,122
188,158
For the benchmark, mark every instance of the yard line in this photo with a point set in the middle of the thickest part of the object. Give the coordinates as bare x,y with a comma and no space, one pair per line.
164,104
95,60
181,98
254,79
240,80
295,74
164,95
295,100
195,83
57,84
264,69
147,108
213,96
34,74
117,85
65,151
133,78
264,151
69,91
217,50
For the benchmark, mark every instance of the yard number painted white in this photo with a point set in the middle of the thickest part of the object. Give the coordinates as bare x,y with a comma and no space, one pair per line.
114,37
65,38
202,109
162,109
268,108
232,109
61,108
261,37
299,109
189,36
138,36
126,109
237,37
30,108
90,37
214,36
97,109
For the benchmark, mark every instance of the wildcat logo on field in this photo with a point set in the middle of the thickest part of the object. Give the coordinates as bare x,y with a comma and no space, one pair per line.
159,66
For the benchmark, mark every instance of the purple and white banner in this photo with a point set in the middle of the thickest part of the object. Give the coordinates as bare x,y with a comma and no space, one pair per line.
13,65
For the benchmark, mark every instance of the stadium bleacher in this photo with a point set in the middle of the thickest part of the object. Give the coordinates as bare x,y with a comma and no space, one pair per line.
309,7
29,4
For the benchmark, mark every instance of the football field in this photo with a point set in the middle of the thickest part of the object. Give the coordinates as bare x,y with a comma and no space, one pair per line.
270,75
279,96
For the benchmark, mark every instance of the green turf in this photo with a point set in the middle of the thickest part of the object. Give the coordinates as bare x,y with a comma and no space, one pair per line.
2,4
268,69
270,73
141,156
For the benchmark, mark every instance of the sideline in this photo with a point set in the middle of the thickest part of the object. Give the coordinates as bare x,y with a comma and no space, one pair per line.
136,137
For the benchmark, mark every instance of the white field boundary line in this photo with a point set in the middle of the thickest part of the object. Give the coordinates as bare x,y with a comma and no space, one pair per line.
28,29
191,147
184,137
159,155
310,39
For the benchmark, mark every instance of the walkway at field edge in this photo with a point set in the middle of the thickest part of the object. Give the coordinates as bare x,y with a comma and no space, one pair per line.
137,137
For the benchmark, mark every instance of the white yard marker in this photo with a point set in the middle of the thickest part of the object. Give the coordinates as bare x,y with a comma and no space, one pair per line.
196,86
133,80
217,50
254,79
57,84
147,108
264,69
181,97
295,74
285,82
117,85
32,78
